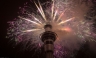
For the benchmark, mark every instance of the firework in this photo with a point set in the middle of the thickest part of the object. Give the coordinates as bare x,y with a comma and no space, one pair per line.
67,20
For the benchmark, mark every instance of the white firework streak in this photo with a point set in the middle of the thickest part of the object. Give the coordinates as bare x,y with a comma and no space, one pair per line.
41,10
62,22
35,18
29,20
55,15
52,9
61,15
31,30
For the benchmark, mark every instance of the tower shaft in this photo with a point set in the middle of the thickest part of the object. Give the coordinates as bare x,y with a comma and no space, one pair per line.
49,48
49,55
48,37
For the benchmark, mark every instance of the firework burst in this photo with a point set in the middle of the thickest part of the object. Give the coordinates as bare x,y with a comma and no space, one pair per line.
69,24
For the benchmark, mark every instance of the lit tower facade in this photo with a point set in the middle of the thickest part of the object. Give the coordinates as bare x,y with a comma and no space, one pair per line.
48,37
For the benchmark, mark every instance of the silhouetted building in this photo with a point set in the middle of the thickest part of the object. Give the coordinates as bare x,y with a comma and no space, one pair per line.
48,37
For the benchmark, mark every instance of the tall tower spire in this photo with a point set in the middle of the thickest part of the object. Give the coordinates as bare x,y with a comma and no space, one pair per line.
48,37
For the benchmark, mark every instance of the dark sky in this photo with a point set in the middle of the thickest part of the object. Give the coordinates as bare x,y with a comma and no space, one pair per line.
8,11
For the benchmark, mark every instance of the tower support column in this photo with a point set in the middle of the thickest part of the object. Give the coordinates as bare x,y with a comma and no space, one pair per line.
48,37
49,55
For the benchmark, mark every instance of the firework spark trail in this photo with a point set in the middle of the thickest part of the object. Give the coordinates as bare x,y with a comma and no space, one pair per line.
35,18
31,30
41,10
29,20
70,31
52,9
60,16
55,15
62,22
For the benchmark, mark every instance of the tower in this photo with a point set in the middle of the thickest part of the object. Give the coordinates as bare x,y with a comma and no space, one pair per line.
48,37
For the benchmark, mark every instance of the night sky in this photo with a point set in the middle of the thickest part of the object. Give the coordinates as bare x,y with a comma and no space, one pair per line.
8,11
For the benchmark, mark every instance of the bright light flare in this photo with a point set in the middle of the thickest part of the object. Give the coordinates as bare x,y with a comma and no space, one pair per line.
66,29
